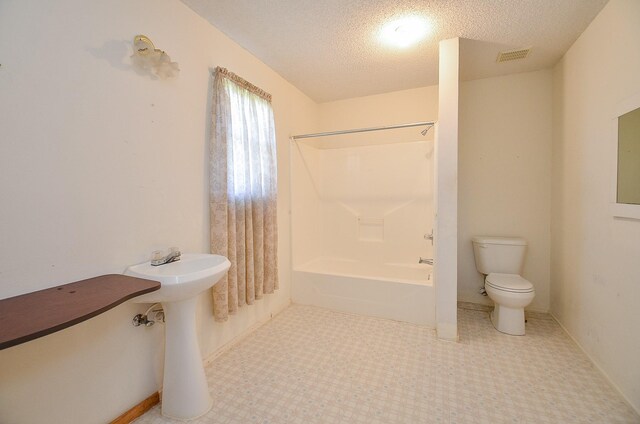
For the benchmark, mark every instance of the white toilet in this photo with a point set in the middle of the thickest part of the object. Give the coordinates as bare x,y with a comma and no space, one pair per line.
500,259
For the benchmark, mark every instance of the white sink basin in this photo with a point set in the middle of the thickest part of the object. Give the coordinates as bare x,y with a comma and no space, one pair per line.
185,394
192,274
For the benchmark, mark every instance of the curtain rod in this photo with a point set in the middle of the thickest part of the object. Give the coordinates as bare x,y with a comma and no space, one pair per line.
389,127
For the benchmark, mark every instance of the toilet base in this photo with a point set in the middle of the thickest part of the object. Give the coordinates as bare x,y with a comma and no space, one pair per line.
508,320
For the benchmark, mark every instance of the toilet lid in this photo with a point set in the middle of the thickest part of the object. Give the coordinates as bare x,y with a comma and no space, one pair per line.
509,282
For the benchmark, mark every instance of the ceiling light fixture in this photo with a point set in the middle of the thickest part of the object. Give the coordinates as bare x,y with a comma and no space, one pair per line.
405,32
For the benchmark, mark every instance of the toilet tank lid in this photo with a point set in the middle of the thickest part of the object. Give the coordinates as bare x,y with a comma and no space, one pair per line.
514,241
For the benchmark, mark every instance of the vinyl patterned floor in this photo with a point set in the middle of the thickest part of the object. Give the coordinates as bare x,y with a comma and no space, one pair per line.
311,365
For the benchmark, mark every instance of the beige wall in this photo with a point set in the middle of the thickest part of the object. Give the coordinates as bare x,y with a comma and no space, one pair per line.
595,271
100,166
505,174
398,107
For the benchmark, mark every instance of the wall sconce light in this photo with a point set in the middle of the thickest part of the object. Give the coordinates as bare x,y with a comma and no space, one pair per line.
147,58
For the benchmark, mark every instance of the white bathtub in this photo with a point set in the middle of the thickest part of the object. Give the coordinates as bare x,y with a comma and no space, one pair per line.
394,291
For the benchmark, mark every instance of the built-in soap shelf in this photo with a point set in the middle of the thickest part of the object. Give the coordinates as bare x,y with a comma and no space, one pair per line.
370,228
33,315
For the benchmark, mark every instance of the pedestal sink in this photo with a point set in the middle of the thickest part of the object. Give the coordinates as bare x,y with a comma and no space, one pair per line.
185,394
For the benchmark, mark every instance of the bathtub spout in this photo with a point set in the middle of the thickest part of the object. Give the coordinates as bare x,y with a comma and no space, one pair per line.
427,261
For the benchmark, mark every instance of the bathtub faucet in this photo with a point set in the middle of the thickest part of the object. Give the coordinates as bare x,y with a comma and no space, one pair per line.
427,261
159,258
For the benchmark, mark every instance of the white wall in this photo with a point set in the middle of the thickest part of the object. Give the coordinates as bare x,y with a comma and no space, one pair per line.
410,106
595,272
398,107
505,174
384,177
374,204
446,191
338,178
378,202
306,211
99,166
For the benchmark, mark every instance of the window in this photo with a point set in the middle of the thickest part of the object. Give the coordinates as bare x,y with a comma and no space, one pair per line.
243,193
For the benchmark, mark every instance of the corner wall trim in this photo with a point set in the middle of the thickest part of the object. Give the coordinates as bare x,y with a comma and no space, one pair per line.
138,410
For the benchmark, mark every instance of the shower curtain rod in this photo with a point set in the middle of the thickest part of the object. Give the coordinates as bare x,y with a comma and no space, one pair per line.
389,127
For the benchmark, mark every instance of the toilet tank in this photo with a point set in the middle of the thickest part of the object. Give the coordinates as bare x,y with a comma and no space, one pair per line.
499,254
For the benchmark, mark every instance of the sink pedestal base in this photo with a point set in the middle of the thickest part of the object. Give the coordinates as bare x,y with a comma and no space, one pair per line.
185,393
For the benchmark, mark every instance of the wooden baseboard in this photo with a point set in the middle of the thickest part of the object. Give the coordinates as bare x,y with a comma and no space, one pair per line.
138,410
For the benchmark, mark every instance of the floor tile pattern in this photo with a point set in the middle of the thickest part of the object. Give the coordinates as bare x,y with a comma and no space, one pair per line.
311,365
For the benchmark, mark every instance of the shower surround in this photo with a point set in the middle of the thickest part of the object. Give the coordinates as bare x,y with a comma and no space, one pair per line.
361,208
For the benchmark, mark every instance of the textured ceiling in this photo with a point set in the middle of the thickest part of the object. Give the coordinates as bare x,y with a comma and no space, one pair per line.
330,49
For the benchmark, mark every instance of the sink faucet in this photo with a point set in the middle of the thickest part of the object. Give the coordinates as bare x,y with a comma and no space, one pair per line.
159,258
427,261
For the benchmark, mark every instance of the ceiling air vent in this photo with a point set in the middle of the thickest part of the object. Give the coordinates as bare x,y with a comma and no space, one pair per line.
513,55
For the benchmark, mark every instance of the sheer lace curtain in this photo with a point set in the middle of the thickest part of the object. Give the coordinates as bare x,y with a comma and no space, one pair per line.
242,192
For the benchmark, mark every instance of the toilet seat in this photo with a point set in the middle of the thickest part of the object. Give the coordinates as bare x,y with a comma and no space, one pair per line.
508,282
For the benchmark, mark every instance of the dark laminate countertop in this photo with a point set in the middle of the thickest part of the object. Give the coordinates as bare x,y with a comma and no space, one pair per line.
32,315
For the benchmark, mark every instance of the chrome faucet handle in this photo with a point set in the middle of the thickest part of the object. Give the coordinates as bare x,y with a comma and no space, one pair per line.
174,255
429,236
159,258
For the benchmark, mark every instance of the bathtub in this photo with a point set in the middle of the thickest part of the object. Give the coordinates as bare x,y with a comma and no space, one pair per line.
395,291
